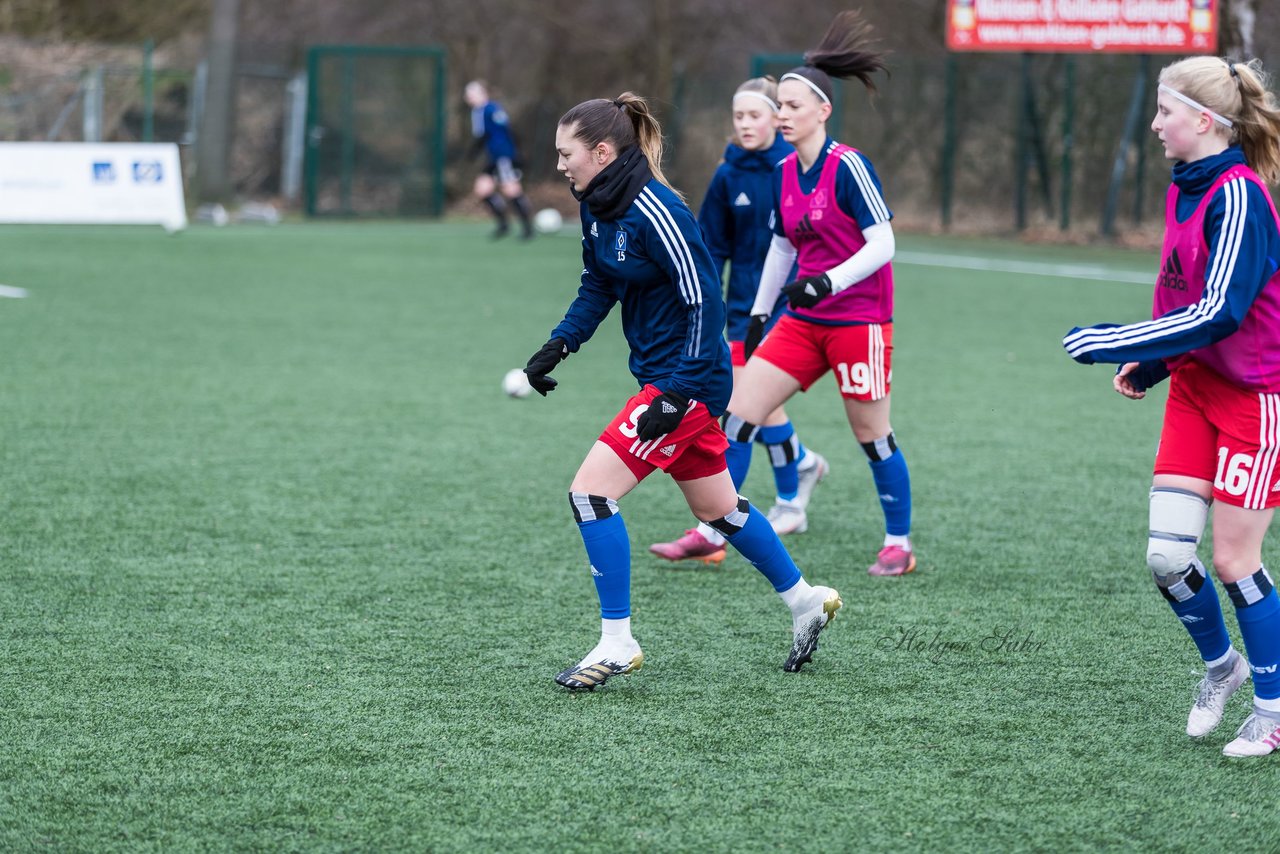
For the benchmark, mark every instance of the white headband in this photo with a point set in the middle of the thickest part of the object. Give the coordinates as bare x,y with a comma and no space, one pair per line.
806,81
762,96
1195,105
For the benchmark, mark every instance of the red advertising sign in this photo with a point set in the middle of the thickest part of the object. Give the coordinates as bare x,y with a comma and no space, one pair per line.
1083,26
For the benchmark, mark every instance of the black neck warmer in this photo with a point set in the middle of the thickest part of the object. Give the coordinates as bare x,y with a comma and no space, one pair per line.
613,190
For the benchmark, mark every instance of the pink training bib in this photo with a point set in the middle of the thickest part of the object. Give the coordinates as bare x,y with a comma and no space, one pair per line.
824,237
1250,356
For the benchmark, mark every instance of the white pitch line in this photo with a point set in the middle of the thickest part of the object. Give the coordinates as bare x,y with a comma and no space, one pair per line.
14,293
1034,268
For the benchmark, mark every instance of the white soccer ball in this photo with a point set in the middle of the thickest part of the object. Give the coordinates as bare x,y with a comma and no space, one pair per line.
516,383
548,220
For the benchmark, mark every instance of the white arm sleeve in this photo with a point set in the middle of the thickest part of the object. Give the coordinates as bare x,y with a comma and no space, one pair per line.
878,252
777,264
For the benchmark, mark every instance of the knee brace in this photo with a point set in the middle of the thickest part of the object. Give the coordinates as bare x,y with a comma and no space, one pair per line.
1176,523
880,449
739,430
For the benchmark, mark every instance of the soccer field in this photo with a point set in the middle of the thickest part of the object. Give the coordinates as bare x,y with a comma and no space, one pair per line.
281,568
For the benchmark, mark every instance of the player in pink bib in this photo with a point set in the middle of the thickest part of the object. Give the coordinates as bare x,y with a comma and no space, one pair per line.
830,218
1216,332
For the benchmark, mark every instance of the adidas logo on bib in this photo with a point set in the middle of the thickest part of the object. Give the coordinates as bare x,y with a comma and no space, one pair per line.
742,201
668,450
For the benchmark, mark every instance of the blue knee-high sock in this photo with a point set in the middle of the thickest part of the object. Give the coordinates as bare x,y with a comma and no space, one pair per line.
893,485
608,549
1195,602
784,452
752,535
738,459
1258,612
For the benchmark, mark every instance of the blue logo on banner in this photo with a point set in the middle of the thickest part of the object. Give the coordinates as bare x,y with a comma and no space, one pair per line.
104,172
147,172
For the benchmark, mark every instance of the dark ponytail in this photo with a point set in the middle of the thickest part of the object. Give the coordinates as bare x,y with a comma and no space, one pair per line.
844,52
622,122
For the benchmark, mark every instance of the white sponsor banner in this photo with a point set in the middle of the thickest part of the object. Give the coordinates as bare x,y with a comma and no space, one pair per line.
90,182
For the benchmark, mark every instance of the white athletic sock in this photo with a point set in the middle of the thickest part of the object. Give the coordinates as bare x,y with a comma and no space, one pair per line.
902,542
616,642
712,535
797,594
1217,663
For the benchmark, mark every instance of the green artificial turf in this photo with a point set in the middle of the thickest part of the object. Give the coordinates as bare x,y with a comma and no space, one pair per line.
281,568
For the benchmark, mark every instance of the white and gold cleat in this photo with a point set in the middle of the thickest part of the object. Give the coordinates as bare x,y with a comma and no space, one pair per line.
808,623
588,675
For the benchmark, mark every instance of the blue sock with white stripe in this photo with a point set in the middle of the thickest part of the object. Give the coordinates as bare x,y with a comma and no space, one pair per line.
1258,613
748,531
1195,602
785,452
893,484
609,550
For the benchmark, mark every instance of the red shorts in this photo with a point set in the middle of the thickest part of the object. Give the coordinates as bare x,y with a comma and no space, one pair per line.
737,355
1216,431
859,355
696,448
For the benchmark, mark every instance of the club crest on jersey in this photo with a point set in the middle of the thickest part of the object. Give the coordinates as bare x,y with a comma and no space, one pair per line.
621,244
818,200
594,231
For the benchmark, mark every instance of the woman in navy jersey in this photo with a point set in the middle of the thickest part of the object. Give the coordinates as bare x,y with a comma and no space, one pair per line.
734,219
642,248
500,180
832,220
1216,332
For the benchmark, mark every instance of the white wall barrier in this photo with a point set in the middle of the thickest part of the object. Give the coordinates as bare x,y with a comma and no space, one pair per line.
73,182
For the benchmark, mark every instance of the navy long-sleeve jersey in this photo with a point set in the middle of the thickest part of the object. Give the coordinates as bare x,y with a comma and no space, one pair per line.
489,123
654,262
735,220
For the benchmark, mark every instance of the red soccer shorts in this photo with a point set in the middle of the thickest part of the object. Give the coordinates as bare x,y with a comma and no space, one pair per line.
1216,431
859,355
696,448
737,355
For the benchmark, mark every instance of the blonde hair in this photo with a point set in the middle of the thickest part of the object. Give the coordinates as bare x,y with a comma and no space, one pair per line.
622,122
766,86
1238,91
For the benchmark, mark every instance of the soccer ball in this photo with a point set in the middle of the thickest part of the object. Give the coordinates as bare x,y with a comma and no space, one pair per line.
548,220
516,383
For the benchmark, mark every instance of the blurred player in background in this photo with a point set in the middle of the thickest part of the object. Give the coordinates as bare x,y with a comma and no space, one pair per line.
500,181
829,214
734,219
642,248
1216,331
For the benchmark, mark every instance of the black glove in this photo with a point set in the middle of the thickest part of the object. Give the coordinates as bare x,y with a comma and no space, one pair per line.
755,334
806,292
1147,374
662,417
542,362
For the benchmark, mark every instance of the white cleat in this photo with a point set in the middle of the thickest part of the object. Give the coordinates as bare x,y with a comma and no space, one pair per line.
1257,736
808,622
787,517
1212,697
811,477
